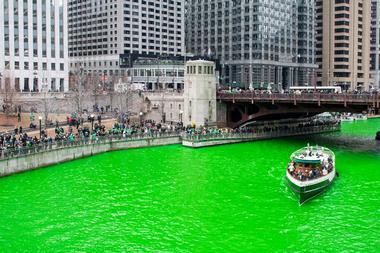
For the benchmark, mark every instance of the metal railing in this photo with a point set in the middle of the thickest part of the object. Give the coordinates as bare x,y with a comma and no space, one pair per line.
312,97
261,133
12,152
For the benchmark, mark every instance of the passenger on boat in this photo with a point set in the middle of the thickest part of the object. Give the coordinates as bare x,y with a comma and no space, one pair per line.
330,167
305,172
291,167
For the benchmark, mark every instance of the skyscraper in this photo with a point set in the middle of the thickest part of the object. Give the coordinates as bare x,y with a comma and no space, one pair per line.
343,43
375,43
33,35
102,30
257,42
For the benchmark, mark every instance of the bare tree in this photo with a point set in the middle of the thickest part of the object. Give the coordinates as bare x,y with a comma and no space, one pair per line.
8,95
96,86
78,89
50,105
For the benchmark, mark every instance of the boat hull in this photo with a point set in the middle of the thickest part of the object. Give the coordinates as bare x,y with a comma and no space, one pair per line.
308,192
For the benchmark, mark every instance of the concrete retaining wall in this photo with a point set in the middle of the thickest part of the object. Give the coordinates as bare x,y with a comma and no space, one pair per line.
220,141
194,144
49,157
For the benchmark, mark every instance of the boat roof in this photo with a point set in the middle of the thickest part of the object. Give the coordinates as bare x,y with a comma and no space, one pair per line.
307,160
311,155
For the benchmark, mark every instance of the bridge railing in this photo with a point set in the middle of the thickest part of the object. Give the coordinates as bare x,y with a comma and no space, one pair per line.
262,133
45,146
341,97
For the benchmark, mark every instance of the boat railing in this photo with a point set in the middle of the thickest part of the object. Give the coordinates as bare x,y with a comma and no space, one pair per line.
313,150
304,183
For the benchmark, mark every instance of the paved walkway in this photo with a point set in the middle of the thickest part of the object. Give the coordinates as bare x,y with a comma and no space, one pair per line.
9,123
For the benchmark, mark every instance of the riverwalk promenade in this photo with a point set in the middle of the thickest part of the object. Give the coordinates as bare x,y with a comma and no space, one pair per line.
44,154
198,141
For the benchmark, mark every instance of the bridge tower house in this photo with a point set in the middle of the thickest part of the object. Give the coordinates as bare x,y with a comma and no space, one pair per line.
200,93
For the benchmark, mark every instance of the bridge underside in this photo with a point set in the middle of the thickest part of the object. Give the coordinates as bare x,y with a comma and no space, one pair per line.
239,114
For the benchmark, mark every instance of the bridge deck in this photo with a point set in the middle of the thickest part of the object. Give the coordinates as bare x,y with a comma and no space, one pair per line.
318,98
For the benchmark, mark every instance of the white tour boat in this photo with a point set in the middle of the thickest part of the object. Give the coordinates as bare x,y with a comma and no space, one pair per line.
311,171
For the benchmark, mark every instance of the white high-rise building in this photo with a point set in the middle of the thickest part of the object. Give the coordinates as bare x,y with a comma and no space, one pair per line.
33,39
100,31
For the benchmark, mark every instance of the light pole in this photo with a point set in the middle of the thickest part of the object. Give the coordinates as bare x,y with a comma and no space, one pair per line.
92,117
1,75
40,120
44,90
141,115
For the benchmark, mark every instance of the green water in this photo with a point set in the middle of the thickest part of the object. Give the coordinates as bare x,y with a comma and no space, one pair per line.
229,198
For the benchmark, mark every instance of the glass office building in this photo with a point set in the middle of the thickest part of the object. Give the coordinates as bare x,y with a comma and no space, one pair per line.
258,42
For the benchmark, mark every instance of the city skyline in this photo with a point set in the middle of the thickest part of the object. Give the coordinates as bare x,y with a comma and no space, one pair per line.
292,43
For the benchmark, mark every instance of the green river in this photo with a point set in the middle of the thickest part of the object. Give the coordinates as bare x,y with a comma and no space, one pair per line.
230,198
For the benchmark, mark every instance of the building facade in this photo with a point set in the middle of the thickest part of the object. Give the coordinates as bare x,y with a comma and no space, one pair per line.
158,74
343,43
33,55
257,42
200,93
100,31
164,106
375,44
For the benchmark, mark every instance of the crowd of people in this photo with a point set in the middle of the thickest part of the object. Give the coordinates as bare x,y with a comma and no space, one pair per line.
77,131
264,127
274,90
19,141
309,171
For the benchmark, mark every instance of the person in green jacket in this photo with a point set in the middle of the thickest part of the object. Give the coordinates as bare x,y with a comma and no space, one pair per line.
93,137
72,138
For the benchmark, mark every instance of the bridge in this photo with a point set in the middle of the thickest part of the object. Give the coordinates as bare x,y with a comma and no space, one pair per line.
247,106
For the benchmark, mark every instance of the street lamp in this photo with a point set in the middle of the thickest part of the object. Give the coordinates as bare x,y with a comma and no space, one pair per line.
141,115
92,117
40,120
